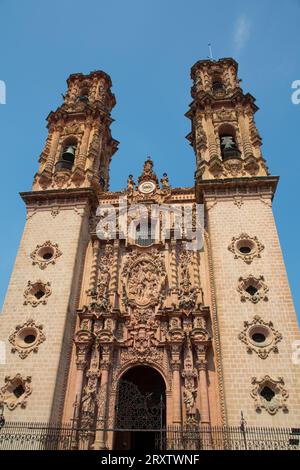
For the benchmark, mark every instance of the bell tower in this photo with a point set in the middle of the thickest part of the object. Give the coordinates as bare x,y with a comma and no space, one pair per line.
251,299
224,135
79,146
37,321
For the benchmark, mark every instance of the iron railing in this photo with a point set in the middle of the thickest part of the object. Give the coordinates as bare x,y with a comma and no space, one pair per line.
49,436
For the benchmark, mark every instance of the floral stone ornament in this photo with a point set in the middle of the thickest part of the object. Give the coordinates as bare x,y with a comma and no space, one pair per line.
26,338
37,293
45,254
15,391
253,289
246,248
269,394
260,337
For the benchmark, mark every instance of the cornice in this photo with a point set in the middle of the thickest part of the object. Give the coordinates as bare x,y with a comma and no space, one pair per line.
60,196
236,186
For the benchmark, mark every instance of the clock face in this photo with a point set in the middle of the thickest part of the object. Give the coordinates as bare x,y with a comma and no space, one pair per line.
147,187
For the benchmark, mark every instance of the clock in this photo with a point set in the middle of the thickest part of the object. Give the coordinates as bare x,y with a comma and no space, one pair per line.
147,187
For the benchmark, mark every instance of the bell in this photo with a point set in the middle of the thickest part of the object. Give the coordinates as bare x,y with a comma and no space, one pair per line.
69,153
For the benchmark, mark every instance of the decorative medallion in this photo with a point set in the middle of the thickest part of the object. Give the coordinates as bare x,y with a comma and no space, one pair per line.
269,394
260,337
245,247
253,289
147,187
26,338
45,254
15,391
37,293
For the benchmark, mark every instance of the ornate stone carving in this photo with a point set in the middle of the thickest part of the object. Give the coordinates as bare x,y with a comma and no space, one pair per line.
261,329
99,297
269,394
26,338
148,186
83,340
143,278
37,293
253,289
15,391
187,295
238,201
245,247
88,400
45,254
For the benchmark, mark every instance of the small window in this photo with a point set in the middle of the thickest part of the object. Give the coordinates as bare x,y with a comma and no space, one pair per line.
144,235
251,290
18,391
267,393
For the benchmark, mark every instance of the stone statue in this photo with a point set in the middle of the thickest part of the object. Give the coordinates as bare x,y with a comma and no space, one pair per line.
189,396
165,181
130,183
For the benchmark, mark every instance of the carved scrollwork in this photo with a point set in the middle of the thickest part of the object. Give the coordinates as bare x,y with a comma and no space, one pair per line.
253,289
260,337
246,248
143,277
37,293
26,338
45,254
15,391
269,394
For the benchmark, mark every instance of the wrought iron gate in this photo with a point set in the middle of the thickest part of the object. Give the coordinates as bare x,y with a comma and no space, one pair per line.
135,410
139,418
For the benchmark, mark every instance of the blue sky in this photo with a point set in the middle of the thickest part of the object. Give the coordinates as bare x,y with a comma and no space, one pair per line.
148,48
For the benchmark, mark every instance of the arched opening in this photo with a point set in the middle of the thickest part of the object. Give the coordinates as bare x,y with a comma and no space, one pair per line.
140,411
67,157
84,94
228,142
217,85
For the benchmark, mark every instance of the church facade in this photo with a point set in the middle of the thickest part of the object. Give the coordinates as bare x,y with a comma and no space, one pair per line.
114,317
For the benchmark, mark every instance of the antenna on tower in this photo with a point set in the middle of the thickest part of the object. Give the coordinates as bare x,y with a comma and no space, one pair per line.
210,51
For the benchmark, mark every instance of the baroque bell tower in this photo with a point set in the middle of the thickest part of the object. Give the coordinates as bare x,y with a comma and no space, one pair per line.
257,324
79,146
38,313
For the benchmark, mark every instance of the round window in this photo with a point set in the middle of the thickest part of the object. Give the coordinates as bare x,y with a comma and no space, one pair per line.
26,337
260,335
46,253
245,247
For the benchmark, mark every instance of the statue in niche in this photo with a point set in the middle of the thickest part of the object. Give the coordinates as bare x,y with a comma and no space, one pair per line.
189,396
88,400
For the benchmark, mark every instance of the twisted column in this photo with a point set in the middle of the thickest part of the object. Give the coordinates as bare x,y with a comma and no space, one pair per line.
99,443
53,150
94,266
247,146
203,387
84,146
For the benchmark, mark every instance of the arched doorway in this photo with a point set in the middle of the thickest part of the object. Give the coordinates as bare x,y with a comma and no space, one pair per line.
140,411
